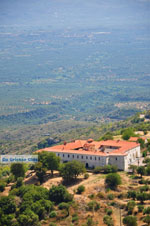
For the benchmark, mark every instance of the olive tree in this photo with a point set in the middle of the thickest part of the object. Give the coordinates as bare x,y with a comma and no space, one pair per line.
71,170
113,180
18,170
49,161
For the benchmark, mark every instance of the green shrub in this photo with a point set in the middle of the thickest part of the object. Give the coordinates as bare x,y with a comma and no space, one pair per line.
101,195
122,196
130,206
75,217
146,210
13,186
63,205
10,179
140,208
98,169
108,211
110,196
53,214
147,219
146,160
131,194
19,182
108,220
130,221
2,186
142,197
91,196
148,170
93,205
90,222
52,224
80,189
113,203
144,188
86,176
110,169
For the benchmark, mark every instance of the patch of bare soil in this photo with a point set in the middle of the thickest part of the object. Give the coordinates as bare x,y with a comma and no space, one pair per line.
7,190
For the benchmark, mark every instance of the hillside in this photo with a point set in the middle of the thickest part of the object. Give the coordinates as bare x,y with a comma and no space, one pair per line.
26,139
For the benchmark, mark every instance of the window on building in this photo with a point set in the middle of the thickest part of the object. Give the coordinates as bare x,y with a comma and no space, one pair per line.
63,155
58,154
99,158
86,157
95,158
77,156
116,158
91,157
82,157
68,156
73,156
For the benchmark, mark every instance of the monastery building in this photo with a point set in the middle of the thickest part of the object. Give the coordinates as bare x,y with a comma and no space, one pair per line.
98,153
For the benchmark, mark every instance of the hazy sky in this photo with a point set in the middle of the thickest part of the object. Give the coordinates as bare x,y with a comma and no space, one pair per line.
74,14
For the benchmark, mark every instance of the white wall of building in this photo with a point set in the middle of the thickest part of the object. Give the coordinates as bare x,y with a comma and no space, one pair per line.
121,161
88,160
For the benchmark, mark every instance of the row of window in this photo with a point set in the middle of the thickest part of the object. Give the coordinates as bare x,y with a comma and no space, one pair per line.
82,157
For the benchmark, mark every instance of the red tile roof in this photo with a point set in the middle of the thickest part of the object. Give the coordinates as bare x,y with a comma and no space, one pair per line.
77,147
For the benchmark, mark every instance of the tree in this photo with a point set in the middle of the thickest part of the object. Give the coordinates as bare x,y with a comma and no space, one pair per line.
7,204
18,170
144,153
40,171
71,170
141,170
6,219
142,142
59,194
47,204
142,197
113,180
29,218
130,221
49,161
128,133
107,136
